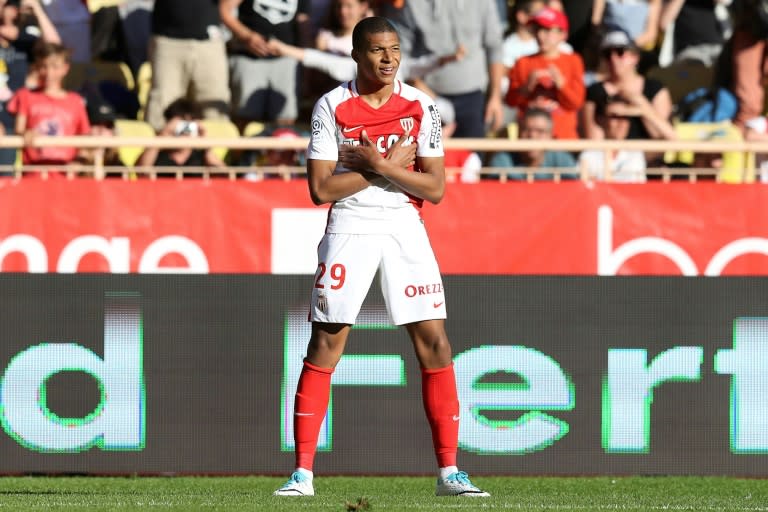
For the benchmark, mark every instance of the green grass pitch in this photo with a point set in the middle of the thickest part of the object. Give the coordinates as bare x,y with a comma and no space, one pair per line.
382,493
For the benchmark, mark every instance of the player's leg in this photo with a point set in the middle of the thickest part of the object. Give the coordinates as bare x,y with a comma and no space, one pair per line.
413,288
346,267
441,404
313,391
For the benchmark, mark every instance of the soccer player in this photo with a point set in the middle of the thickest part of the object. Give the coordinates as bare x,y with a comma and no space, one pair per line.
375,153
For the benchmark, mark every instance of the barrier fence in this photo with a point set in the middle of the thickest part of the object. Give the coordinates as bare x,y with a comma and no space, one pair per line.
746,151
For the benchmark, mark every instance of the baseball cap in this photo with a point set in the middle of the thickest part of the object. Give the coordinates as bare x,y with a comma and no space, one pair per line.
550,18
617,38
99,111
286,133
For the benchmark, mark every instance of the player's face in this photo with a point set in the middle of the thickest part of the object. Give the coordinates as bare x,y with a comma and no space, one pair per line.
379,61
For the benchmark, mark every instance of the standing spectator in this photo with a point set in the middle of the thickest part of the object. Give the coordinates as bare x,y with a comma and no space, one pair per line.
648,101
750,63
472,83
188,58
550,79
638,18
49,109
698,32
625,165
335,38
536,124
22,23
264,87
182,119
73,23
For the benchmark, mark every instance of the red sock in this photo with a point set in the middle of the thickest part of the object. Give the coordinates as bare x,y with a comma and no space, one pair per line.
312,396
441,403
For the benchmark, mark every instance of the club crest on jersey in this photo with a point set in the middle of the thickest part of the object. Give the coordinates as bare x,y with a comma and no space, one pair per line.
407,124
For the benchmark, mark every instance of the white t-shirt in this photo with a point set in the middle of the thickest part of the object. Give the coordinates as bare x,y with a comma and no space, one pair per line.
626,166
339,118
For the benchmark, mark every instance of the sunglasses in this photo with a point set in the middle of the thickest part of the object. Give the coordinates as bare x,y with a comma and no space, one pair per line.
620,51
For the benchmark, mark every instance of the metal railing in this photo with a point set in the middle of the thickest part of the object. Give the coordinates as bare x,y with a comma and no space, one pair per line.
99,170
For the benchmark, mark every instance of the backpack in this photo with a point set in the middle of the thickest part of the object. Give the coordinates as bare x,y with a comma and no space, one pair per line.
707,105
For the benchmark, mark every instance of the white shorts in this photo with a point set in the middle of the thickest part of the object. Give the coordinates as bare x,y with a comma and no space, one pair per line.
409,275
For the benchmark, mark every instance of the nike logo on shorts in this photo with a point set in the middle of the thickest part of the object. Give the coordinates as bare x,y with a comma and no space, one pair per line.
437,304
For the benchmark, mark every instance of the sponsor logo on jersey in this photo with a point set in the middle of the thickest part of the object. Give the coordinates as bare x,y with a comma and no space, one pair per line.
414,290
434,132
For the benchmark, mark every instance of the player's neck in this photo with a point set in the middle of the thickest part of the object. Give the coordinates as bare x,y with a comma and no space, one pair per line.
375,95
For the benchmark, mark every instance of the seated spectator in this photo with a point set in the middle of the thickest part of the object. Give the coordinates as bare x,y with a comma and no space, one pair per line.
182,119
625,166
549,80
536,124
102,117
49,109
647,102
276,161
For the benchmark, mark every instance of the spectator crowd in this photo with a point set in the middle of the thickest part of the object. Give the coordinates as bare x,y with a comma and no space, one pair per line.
530,69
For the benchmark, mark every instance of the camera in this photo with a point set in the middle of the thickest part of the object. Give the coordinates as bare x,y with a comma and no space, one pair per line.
185,127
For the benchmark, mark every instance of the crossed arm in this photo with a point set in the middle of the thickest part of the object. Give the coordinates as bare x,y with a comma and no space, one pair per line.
366,164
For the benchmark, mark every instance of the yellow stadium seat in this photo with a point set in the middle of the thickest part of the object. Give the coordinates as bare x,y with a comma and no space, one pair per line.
733,161
143,85
132,128
512,131
220,128
253,129
98,71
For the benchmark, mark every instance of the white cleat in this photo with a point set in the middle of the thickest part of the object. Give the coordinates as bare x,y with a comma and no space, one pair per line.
458,484
297,485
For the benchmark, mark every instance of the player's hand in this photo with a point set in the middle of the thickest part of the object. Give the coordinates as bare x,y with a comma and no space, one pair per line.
400,154
362,157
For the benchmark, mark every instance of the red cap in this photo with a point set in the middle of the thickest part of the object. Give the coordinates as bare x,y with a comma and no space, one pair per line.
550,18
286,133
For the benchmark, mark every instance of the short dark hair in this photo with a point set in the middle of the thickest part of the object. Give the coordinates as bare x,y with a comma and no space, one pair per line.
537,112
43,49
183,107
368,26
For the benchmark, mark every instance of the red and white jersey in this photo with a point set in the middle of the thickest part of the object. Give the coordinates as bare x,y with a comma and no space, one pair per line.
339,118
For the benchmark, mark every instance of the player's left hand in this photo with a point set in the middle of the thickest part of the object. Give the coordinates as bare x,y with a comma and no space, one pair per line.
362,157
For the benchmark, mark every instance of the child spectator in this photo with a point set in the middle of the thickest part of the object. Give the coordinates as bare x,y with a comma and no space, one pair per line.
550,80
22,23
49,109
